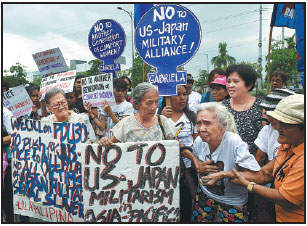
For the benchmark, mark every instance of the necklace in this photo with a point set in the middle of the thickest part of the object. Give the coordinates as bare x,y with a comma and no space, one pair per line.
242,108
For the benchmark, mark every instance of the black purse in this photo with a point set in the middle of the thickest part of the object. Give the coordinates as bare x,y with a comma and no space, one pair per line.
270,206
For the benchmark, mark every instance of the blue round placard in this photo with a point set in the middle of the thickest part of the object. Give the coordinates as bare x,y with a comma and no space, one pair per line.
107,40
167,36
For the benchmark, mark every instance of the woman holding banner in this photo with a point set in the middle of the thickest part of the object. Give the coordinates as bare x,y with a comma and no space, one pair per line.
57,104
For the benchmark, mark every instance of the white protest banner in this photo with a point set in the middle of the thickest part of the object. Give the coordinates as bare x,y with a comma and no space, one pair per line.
97,88
131,182
50,60
47,169
64,81
18,101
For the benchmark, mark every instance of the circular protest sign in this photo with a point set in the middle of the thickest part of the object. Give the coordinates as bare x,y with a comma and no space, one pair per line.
107,40
167,36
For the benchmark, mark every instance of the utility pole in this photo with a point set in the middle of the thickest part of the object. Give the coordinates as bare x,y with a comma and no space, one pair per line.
207,62
282,37
260,43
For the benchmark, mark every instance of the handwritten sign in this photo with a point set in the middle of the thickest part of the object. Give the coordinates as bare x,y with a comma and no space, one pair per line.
18,101
50,61
64,81
166,37
131,182
47,169
97,88
107,40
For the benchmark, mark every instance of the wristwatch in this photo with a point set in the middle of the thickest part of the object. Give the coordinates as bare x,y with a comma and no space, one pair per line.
250,186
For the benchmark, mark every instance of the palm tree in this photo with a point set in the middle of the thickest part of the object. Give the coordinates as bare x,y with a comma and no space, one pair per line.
291,42
223,59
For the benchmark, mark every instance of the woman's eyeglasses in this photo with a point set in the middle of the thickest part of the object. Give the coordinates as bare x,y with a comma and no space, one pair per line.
63,104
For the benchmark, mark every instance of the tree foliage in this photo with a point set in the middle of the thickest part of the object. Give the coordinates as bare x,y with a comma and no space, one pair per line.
37,82
223,60
13,81
202,81
18,76
283,59
94,70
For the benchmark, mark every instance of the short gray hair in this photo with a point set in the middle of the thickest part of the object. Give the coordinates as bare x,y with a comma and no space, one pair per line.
140,90
224,117
52,92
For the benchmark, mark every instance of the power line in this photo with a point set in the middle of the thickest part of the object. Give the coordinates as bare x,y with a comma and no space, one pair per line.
238,25
228,17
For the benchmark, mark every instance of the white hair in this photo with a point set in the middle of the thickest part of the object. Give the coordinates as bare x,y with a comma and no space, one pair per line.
140,90
224,117
52,92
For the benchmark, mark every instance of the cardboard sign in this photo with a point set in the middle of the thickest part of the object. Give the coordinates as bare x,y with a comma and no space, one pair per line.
166,37
131,182
107,40
64,81
50,61
97,88
18,101
47,169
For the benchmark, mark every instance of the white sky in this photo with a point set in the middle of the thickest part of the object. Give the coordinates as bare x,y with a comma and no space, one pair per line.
31,28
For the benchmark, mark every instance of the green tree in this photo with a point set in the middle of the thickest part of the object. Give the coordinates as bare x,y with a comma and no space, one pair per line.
290,42
18,75
223,60
202,81
37,82
13,81
94,70
283,59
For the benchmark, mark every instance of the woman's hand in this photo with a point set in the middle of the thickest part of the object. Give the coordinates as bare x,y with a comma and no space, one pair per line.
239,179
106,107
211,179
205,166
105,141
88,107
167,111
34,109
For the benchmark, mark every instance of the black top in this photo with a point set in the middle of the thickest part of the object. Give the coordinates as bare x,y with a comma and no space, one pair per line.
244,123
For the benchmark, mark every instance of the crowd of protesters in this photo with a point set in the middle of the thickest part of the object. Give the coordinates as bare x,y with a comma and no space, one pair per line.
242,157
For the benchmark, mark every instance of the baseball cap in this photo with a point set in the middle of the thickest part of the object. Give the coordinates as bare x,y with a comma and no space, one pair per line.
220,80
289,110
270,101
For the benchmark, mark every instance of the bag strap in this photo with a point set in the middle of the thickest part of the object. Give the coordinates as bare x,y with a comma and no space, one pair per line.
161,126
279,168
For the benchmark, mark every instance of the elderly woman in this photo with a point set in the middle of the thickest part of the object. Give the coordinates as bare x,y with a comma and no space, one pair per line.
145,125
219,149
207,97
245,108
218,89
288,166
278,79
57,104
